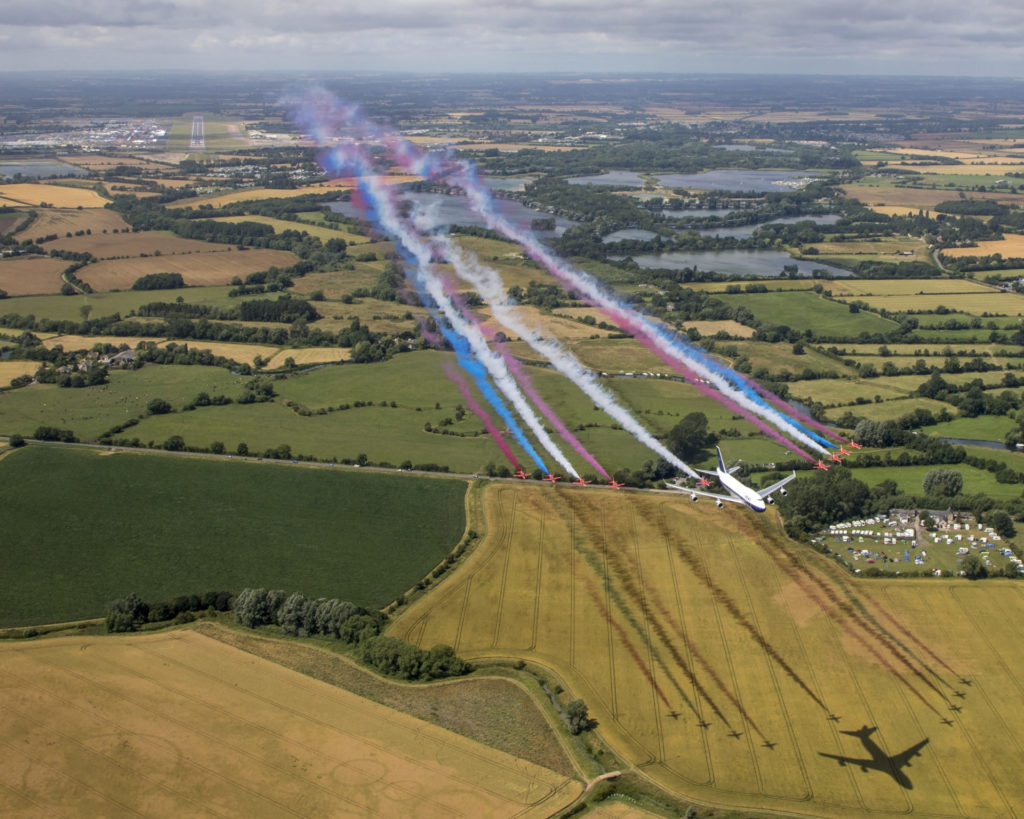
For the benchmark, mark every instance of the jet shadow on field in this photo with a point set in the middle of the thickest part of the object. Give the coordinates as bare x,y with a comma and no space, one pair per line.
879,760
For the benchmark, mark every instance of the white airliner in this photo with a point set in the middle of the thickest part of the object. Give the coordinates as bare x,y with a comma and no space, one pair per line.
738,492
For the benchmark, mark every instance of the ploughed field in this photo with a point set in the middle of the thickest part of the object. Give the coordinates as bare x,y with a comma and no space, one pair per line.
726,661
178,724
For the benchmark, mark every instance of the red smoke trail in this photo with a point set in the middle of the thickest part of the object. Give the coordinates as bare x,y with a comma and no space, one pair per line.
526,383
626,323
481,413
624,639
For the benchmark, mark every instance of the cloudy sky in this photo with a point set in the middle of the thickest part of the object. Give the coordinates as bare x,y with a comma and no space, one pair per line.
943,37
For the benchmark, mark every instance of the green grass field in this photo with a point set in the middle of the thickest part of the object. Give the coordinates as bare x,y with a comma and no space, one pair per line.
91,411
808,311
889,410
82,528
982,428
68,308
909,478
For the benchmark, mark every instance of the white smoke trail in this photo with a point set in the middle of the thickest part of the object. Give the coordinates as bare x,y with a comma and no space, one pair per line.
488,283
480,201
434,287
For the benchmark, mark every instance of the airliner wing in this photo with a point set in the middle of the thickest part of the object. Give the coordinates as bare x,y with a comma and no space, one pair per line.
849,760
764,493
687,489
902,760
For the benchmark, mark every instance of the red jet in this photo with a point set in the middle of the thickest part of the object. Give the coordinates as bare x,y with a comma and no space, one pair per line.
521,474
580,482
820,465
615,484
552,478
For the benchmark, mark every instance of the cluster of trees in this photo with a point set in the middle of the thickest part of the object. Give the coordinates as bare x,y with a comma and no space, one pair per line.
545,296
132,612
89,377
48,433
159,281
354,625
366,345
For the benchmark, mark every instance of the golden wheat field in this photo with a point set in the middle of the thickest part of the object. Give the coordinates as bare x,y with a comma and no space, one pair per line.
148,242
730,664
59,196
179,724
31,275
13,369
75,342
976,304
322,232
1012,245
710,328
197,269
907,287
242,353
914,198
310,355
70,220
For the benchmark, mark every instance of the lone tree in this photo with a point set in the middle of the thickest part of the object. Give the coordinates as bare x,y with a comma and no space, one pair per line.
1002,523
578,716
943,482
973,568
687,438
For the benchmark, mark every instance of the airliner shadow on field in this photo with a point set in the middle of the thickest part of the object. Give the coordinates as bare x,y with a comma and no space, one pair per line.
879,760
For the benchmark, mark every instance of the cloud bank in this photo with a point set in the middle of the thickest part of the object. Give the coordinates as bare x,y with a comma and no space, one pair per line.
793,36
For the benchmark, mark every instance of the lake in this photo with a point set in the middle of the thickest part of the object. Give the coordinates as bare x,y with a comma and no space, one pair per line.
507,183
629,233
39,168
740,232
735,262
759,181
620,179
722,180
453,210
747,231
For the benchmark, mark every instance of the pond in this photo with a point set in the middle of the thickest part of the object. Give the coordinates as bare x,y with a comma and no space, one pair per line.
629,233
620,179
720,180
39,168
735,262
507,183
747,231
454,210
758,181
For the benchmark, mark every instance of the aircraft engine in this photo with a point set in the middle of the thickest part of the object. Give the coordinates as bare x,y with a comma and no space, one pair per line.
783,492
770,500
693,497
719,504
